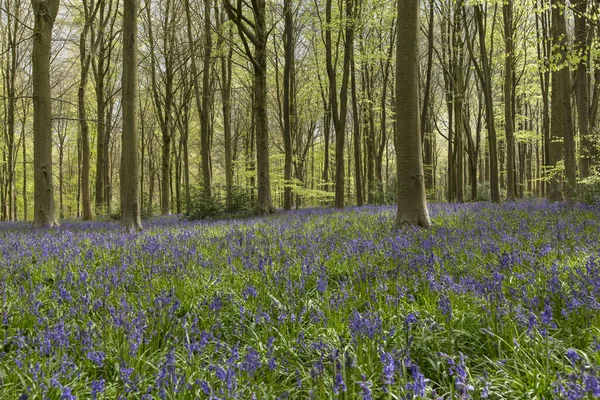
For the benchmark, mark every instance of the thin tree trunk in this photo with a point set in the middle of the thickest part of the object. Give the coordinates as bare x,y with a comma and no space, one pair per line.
288,100
507,13
206,99
357,139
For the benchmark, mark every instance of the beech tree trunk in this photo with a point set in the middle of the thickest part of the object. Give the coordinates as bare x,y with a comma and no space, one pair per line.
226,73
412,201
288,99
45,12
507,9
582,86
206,103
130,188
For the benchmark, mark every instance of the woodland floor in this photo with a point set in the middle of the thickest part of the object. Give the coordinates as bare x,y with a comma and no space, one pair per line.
492,302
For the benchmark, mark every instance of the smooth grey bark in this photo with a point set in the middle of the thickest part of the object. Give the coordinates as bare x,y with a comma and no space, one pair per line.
206,103
45,12
509,84
130,188
288,101
412,201
582,86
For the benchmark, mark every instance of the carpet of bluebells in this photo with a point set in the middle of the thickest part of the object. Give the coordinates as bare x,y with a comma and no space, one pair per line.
492,302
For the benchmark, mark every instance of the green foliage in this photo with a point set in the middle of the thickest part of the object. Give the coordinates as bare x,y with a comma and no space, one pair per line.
203,206
217,206
588,191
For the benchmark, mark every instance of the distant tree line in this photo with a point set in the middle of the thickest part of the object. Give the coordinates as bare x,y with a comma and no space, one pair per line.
110,103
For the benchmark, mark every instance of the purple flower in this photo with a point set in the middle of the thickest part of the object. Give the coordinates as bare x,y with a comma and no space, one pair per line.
339,386
96,357
67,394
251,362
445,307
98,387
388,368
365,387
572,356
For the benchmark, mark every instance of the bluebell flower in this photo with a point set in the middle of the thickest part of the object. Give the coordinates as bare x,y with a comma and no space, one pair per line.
98,387
572,356
365,387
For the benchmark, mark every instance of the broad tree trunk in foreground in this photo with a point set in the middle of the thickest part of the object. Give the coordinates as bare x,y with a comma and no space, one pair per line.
412,202
44,14
130,189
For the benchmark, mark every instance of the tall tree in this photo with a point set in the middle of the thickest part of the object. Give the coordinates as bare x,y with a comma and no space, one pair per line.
412,201
484,73
562,117
45,12
339,106
102,66
509,83
226,75
130,189
255,32
582,84
288,101
90,8
205,121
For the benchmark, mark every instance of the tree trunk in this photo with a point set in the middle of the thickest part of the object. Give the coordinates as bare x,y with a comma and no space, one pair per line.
507,12
486,80
426,126
412,202
130,189
226,73
339,109
357,139
84,131
257,34
582,86
44,16
206,99
288,99
562,119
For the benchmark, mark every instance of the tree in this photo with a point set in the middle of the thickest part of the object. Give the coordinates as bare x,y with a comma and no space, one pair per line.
484,73
45,12
90,8
339,109
225,81
509,79
412,201
582,84
104,79
288,101
255,32
205,123
130,189
562,118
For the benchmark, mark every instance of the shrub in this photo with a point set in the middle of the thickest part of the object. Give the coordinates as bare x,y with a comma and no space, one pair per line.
202,206
588,191
240,202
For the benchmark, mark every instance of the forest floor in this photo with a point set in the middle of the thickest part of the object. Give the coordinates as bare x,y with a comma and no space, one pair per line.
495,301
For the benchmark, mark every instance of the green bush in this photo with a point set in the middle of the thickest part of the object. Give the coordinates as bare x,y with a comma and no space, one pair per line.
240,202
588,191
202,206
